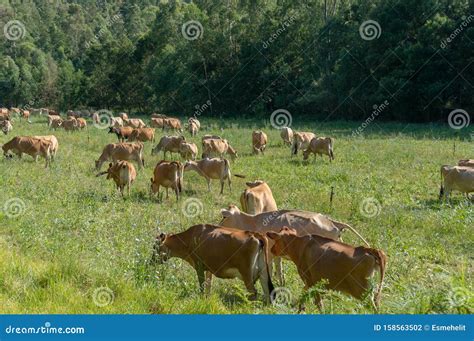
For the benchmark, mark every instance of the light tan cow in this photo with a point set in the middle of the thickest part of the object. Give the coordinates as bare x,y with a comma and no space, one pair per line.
286,135
122,151
54,143
54,121
167,174
193,127
81,123
29,145
123,173
26,114
157,122
456,178
188,150
301,141
303,221
168,144
224,253
6,126
259,141
211,169
116,122
142,135
257,198
196,121
95,118
217,147
123,116
123,133
319,146
466,163
344,267
134,123
173,124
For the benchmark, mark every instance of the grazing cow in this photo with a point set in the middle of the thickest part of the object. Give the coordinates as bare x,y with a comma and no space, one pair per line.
6,126
95,118
211,169
26,114
303,221
142,135
217,147
122,133
196,121
168,174
4,111
188,150
207,137
123,173
193,127
345,268
70,124
29,145
173,124
466,163
54,143
320,146
81,123
456,178
224,253
54,121
259,141
123,116
286,135
116,122
168,144
4,116
134,123
157,122
122,151
258,198
301,140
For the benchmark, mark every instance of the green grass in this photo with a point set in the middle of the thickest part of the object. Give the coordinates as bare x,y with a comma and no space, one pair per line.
77,235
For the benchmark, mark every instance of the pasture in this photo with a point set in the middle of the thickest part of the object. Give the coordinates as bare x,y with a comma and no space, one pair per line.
75,246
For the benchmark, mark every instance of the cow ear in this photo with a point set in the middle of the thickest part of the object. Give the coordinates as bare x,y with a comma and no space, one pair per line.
273,235
226,213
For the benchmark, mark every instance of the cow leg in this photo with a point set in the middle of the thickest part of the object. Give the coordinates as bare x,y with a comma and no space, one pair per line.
201,277
208,184
229,183
128,188
279,270
222,186
207,283
176,190
249,284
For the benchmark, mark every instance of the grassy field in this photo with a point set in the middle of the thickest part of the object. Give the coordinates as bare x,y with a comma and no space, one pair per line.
70,244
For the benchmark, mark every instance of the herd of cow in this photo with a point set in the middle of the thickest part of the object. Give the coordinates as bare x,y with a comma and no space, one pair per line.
246,243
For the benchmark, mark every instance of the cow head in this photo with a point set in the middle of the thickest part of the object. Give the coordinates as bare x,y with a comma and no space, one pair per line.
306,153
161,253
281,240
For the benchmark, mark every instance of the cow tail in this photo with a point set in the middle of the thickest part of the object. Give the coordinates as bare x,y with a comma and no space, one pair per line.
342,226
263,241
331,146
381,259
441,187
243,201
295,148
226,167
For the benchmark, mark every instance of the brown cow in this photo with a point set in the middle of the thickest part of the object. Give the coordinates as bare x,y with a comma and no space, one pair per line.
320,146
217,147
455,178
155,115
54,143
188,151
466,163
257,198
123,173
224,253
54,121
70,124
26,114
29,145
168,174
211,169
259,141
116,122
168,144
122,133
344,267
157,122
122,151
6,126
301,140
142,135
81,123
173,124
134,123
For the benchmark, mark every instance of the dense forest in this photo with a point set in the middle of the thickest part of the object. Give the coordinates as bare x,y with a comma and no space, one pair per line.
328,59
